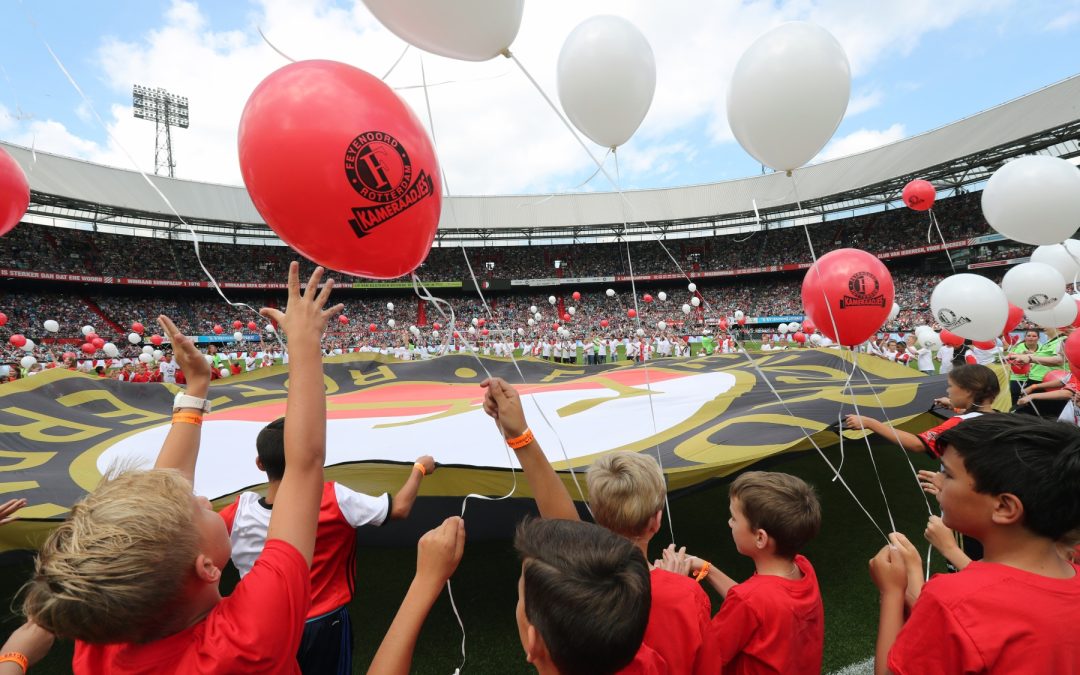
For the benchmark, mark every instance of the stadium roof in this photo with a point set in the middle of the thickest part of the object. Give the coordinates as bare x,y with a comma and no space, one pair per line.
961,153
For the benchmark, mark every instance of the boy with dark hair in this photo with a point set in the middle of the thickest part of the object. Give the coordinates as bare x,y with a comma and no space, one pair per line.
774,621
583,597
1013,483
327,643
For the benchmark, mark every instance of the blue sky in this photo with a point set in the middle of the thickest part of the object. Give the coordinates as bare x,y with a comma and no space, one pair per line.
917,65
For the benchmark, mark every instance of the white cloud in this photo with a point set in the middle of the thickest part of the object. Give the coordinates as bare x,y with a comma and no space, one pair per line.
859,141
1064,21
495,133
863,101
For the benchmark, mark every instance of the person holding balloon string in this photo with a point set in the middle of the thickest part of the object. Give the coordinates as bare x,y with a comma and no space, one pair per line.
1057,386
1046,357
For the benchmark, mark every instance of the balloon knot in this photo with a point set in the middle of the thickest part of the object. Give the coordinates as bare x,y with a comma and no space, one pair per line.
505,52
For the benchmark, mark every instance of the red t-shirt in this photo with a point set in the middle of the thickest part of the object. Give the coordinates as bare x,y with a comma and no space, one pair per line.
972,622
768,624
647,662
930,436
257,629
678,619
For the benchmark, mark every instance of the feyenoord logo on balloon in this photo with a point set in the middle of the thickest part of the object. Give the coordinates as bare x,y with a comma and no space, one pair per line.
950,319
865,292
378,168
1041,301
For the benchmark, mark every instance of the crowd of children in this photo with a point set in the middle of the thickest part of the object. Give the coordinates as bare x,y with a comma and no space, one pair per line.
132,575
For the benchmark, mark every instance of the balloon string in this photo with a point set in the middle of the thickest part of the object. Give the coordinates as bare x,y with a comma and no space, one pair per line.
274,47
870,450
945,247
400,56
153,186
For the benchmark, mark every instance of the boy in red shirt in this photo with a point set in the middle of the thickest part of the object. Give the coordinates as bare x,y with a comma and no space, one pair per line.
132,575
326,648
1013,483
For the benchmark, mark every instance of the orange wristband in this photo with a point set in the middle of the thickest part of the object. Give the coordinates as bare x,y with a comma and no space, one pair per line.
521,441
187,418
703,572
15,657
420,467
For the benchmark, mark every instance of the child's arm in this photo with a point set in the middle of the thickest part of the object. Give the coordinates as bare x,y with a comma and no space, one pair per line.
889,573
682,564
1054,395
406,496
437,556
913,565
552,499
296,506
904,439
31,641
945,542
181,446
8,510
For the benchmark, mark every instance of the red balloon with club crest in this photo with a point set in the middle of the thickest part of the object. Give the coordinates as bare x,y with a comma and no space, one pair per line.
14,193
847,294
919,195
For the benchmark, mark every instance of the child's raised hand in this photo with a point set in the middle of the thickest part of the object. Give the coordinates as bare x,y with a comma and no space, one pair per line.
428,462
503,404
856,422
8,509
439,551
938,534
190,360
888,570
930,481
304,316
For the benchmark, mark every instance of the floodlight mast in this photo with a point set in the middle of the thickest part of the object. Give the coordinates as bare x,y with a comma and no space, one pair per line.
166,111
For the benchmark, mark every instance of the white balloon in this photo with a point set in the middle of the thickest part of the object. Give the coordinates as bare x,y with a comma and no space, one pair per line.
29,345
971,306
521,331
695,301
269,328
610,292
686,309
1062,257
238,336
640,332
532,310
390,306
434,333
662,325
551,299
894,312
158,354
794,327
225,372
788,94
606,77
27,362
472,330
922,328
1034,200
931,342
692,287
134,338
1058,316
110,350
414,330
783,329
391,323
52,326
571,311
86,330
538,316
145,358
1033,286
147,350
475,321
739,314
662,295
469,30
532,322
815,338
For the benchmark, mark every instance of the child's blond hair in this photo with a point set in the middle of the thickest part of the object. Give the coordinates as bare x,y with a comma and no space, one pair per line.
113,571
626,489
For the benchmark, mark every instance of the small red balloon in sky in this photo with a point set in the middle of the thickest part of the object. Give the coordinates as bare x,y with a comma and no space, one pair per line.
373,328
436,326
576,295
17,340
647,298
342,319
919,195
156,340
631,313
237,324
484,331
603,323
218,329
252,325
480,322
137,328
566,318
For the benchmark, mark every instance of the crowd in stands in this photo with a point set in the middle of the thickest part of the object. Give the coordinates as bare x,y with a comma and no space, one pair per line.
33,247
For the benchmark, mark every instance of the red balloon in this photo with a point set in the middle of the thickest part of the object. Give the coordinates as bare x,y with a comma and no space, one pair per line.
575,295
3,318
484,331
742,321
851,288
721,324
808,327
457,334
218,329
799,337
480,322
631,313
603,323
88,348
919,195
90,337
156,340
341,169
1016,315
566,318
342,319
137,328
372,328
1072,348
436,326
1055,375
237,324
17,340
98,343
1076,321
647,298
555,326
14,193
69,355
951,339
254,326
983,344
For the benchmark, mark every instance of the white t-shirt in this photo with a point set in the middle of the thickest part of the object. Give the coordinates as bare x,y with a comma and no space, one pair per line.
168,371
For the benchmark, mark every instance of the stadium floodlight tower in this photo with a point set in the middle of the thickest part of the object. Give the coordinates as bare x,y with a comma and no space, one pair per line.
166,111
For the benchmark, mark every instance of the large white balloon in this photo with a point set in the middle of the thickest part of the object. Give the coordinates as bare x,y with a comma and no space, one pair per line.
51,325
1034,200
1058,316
470,30
788,94
134,338
1033,286
27,362
971,306
87,329
111,350
1064,257
606,77
894,312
